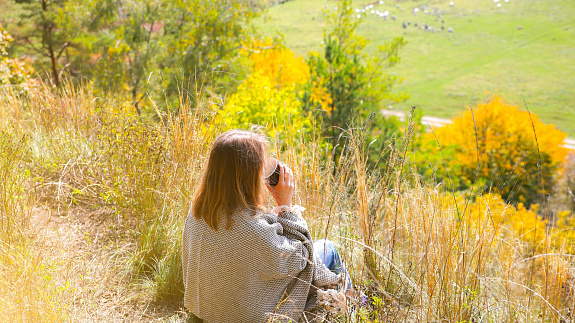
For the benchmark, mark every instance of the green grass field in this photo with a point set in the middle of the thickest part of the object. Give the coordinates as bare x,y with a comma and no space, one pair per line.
523,50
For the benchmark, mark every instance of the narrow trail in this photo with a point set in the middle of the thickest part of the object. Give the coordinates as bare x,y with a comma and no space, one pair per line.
438,122
89,252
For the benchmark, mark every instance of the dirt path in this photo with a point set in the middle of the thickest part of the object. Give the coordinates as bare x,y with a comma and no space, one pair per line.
90,252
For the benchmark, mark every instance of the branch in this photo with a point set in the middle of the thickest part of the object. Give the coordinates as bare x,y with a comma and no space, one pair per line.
66,44
31,44
63,69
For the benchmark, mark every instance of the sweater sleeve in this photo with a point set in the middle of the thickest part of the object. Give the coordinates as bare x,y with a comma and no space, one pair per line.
295,227
283,244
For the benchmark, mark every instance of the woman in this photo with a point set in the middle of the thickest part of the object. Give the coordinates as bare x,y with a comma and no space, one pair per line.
241,263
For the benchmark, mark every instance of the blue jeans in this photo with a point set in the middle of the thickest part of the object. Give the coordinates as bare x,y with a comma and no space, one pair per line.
328,254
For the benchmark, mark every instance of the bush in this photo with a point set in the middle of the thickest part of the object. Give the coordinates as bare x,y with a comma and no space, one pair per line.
494,147
269,96
14,72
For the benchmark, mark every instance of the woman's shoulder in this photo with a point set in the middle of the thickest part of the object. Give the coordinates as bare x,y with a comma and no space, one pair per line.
241,220
255,218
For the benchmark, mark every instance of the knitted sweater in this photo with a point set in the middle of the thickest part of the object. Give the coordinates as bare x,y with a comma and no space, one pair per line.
261,270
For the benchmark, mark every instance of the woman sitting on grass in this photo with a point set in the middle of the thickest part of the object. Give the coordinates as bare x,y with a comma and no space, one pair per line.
242,263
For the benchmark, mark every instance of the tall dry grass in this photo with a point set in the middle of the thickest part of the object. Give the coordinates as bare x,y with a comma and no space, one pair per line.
414,250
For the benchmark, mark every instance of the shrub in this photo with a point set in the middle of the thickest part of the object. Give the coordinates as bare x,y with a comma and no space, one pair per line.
14,72
494,146
269,96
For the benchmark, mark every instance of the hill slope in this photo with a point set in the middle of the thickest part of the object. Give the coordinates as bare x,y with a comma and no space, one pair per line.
522,50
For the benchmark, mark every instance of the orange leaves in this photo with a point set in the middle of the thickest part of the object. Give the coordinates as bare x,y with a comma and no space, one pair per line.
321,97
491,211
14,71
5,40
269,96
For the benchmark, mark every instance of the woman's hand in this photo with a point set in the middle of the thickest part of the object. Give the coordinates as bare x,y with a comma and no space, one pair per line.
283,191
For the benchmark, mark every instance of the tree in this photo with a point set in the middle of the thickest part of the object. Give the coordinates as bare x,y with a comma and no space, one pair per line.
163,47
355,81
130,35
49,29
203,39
495,147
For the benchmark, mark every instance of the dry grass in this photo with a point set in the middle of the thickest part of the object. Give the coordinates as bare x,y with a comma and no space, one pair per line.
106,193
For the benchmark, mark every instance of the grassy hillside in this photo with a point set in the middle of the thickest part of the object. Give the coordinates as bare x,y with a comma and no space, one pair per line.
93,200
523,50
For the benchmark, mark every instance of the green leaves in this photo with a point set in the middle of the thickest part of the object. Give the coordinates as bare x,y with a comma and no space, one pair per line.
203,39
356,81
160,48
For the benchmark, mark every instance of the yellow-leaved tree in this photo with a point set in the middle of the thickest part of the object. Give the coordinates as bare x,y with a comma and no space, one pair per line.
269,96
495,146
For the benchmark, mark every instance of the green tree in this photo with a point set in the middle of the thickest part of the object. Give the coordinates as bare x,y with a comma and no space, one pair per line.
162,47
49,28
129,38
356,82
203,40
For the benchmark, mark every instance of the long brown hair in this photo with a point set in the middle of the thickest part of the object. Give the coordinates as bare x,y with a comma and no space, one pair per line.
232,179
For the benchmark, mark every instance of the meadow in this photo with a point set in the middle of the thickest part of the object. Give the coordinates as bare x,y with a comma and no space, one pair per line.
94,200
470,222
523,50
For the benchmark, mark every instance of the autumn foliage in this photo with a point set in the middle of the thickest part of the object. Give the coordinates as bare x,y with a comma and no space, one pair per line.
270,94
494,145
14,72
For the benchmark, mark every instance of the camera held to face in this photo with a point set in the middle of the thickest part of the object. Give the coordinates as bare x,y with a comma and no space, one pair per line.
272,177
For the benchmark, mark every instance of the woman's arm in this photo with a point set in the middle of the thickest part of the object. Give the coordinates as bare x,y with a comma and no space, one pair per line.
295,227
283,244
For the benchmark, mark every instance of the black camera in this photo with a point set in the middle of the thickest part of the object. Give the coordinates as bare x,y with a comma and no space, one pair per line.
274,178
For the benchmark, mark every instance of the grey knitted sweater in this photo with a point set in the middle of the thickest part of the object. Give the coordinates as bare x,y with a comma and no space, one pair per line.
261,270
